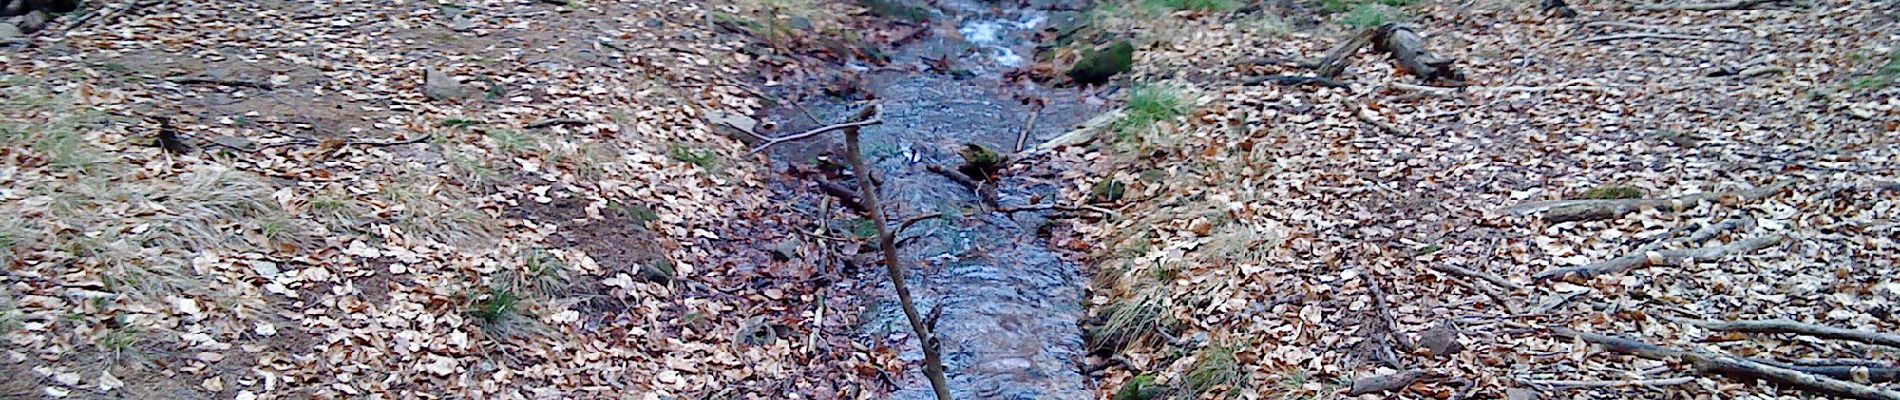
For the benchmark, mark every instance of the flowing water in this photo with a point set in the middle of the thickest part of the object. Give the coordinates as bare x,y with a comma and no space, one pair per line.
1009,303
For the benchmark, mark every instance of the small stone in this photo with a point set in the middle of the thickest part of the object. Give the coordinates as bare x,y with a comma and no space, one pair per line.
1441,340
1520,394
438,86
10,33
34,21
12,7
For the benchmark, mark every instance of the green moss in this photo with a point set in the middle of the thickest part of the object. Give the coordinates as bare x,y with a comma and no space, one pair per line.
898,9
1097,67
1142,387
1882,77
704,159
1612,192
1191,5
1108,191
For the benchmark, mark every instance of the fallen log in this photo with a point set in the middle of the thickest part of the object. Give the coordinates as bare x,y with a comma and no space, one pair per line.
1726,5
1337,60
1408,48
1732,367
1593,210
1787,326
1665,257
1384,383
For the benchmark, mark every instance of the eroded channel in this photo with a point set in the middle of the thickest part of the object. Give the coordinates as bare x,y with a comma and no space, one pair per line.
1009,303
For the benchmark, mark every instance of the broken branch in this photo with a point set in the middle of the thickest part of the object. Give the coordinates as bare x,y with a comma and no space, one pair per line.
814,132
1787,326
1732,367
1665,257
1592,210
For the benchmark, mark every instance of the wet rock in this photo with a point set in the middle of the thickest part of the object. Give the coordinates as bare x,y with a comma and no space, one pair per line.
1095,68
755,332
1441,340
10,33
785,250
1520,394
10,8
55,6
33,21
980,162
439,86
1143,387
1107,191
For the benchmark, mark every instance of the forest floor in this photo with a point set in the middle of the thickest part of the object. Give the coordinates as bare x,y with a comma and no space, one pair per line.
1291,241
480,199
511,199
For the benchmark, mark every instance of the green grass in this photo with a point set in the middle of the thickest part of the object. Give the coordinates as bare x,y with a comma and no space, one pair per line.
898,9
1339,6
511,141
497,306
640,213
1148,104
704,159
1216,368
1136,319
544,274
1883,77
1191,5
1612,192
1142,387
1370,15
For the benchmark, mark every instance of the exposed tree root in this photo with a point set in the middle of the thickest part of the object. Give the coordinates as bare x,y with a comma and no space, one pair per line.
1592,210
1609,384
1787,326
1665,257
1733,367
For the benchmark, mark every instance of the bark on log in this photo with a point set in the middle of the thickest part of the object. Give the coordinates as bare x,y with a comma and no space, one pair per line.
1665,257
1593,210
1384,383
1336,61
1786,326
1733,367
1408,48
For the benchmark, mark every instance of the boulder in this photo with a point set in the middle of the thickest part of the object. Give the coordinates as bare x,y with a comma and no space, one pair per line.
1095,68
9,8
54,6
34,21
439,86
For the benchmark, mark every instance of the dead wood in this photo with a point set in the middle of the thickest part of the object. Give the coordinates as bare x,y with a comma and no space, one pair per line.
887,242
1659,36
1385,383
1787,326
814,132
1336,61
986,192
1732,367
1406,46
1022,139
198,80
1665,257
1486,276
1592,210
1294,80
1726,5
844,195
1608,384
557,122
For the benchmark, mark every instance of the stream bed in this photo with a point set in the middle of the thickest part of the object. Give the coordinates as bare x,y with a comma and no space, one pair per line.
1009,303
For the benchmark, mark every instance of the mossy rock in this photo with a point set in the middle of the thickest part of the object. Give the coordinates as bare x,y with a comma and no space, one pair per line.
1108,191
1143,387
1613,192
660,271
981,163
1097,67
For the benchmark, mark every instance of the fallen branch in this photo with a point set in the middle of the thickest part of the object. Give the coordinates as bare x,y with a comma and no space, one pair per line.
1486,276
1022,139
844,195
933,359
1787,326
1606,384
1657,36
1408,48
1045,207
1726,5
1384,383
557,122
1336,61
1665,257
198,80
814,132
1592,210
1574,85
345,143
1294,80
983,191
1732,367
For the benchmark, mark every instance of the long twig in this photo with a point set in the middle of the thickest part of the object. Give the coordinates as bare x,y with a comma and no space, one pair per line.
1726,5
1022,139
1787,326
1665,257
1592,210
933,360
198,80
814,132
1658,36
1603,384
1732,367
556,121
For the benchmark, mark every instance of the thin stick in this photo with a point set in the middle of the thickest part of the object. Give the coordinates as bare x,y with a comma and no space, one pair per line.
933,361
1604,384
827,128
1665,257
1022,139
1659,36
194,80
1732,367
556,121
1787,326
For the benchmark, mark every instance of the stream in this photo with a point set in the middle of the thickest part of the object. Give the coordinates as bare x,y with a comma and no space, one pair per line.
1010,304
